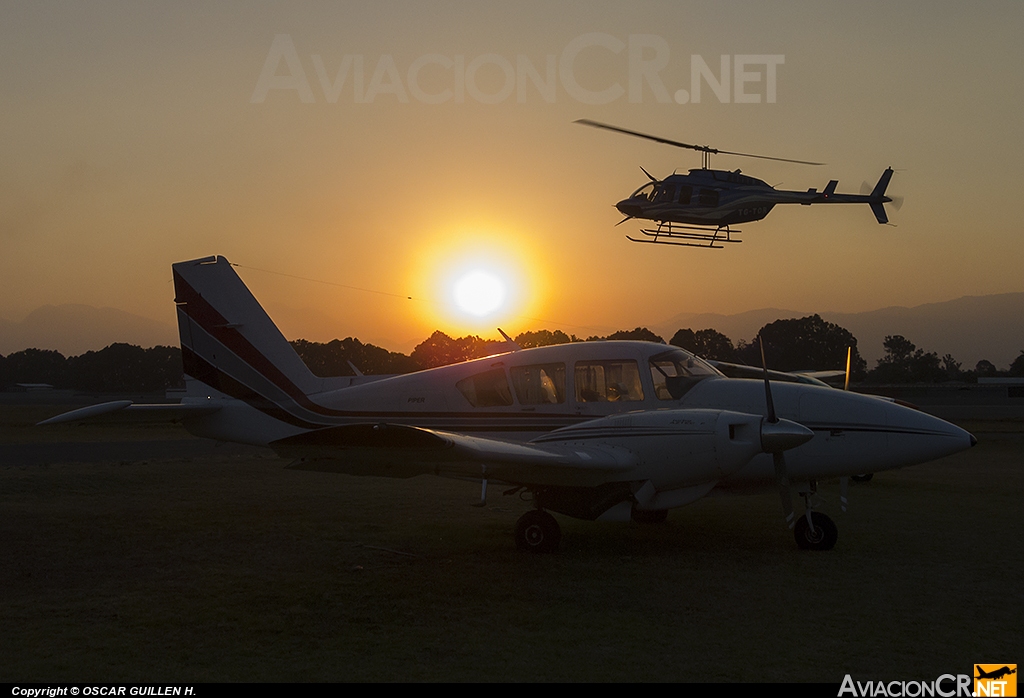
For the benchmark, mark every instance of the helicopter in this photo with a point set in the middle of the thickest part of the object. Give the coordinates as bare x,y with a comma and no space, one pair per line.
701,208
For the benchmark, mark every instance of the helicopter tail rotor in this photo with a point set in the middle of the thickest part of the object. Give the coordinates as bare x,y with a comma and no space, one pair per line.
878,196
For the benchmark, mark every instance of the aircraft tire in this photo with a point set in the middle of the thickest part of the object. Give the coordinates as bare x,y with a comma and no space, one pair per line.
538,532
824,536
866,477
655,516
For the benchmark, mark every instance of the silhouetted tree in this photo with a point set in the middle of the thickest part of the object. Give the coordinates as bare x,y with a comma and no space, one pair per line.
33,366
639,334
985,369
122,367
809,343
951,367
544,338
905,363
332,358
708,344
1017,367
441,350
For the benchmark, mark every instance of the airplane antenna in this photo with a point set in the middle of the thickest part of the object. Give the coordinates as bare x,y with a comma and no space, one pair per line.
849,355
509,340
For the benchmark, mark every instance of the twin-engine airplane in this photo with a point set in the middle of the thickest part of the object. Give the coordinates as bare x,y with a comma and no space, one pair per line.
593,430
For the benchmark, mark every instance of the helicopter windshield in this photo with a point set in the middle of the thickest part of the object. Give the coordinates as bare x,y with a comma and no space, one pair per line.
644,192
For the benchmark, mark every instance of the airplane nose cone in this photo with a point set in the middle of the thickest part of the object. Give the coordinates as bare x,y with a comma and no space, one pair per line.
919,437
628,208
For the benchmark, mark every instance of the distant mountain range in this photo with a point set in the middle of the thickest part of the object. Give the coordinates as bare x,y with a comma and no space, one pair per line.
970,328
74,329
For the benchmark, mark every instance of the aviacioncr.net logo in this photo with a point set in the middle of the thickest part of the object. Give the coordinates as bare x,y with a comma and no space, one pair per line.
945,686
995,680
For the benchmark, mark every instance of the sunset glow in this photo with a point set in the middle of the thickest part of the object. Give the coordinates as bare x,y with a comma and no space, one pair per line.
394,152
480,293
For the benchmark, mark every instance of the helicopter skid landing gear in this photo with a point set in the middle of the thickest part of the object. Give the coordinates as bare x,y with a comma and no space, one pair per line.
668,233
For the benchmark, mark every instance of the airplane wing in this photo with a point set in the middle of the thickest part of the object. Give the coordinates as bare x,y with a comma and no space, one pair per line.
127,411
396,450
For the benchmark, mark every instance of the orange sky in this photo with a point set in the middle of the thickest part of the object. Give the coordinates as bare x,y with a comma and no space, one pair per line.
132,140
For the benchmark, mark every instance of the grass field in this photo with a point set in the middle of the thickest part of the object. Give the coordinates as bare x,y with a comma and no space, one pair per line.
231,568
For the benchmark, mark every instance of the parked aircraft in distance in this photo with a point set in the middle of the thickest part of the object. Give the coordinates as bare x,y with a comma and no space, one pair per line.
607,430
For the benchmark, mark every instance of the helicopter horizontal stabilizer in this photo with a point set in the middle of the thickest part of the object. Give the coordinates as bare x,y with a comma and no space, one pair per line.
879,212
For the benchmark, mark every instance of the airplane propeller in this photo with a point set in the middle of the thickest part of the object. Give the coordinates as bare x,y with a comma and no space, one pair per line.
776,443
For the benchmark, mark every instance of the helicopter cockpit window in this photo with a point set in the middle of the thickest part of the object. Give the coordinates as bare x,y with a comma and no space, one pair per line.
708,197
675,372
664,194
543,384
685,193
644,192
487,389
608,381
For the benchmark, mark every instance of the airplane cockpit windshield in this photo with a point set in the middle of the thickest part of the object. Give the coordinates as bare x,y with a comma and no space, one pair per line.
675,372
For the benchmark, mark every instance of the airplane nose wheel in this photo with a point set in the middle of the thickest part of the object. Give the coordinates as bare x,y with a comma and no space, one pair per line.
822,537
538,532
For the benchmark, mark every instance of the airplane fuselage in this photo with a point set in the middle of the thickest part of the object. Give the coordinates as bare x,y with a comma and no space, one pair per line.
565,392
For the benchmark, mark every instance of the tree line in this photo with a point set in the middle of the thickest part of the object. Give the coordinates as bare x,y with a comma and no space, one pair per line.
809,343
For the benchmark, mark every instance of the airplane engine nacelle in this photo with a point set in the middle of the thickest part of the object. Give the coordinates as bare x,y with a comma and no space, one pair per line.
674,448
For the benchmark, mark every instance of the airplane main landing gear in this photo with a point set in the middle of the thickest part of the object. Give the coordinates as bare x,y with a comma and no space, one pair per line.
822,536
538,532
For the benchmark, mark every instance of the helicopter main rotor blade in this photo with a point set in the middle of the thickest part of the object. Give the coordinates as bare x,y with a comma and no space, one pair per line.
679,144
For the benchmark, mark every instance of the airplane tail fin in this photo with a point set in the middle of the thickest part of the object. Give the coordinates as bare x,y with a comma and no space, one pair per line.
229,342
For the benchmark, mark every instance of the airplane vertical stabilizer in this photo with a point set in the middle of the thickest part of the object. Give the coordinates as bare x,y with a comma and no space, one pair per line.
229,342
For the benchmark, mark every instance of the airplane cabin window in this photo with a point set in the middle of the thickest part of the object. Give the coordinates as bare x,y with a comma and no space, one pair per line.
487,389
675,372
543,384
608,381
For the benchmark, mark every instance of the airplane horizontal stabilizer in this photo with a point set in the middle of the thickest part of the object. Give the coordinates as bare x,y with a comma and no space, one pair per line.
124,411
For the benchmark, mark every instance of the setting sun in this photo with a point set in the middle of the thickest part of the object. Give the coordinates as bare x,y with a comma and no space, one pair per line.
479,293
